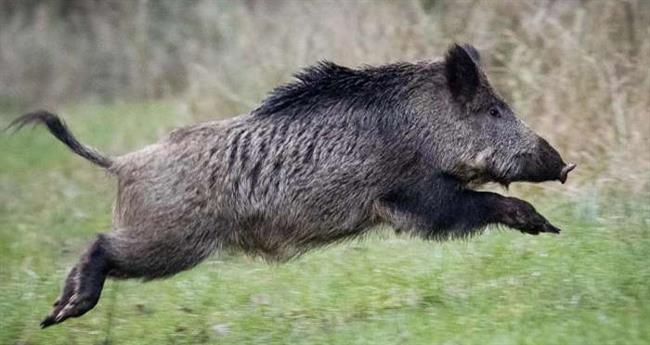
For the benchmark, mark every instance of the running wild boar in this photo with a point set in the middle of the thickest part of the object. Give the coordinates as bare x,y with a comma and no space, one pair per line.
323,159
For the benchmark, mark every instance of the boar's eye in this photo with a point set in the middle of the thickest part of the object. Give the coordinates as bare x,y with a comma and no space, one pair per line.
495,112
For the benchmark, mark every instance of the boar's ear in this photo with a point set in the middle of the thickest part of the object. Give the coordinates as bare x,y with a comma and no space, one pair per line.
462,71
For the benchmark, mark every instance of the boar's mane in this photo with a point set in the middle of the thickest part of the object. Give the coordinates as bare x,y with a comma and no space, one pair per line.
327,85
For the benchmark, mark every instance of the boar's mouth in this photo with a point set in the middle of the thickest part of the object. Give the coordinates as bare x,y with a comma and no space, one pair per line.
541,165
534,175
475,178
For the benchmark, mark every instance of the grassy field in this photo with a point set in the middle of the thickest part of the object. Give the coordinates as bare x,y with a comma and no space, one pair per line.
590,285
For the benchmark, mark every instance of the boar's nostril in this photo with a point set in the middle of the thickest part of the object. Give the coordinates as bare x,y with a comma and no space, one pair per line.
565,171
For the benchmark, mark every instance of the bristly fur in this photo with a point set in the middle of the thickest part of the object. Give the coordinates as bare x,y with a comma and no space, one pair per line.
325,83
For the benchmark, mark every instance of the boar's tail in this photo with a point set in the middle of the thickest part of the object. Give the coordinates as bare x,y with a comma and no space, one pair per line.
61,132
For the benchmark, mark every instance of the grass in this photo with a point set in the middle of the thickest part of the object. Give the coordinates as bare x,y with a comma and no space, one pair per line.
586,286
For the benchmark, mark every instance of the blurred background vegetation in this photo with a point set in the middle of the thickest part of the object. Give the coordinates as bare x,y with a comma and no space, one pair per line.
123,73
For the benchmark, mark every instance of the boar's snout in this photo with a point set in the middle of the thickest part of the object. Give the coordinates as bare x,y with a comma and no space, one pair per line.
552,167
545,164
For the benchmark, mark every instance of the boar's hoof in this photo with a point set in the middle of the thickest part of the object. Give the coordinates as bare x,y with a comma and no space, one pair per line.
545,227
75,306
536,224
521,215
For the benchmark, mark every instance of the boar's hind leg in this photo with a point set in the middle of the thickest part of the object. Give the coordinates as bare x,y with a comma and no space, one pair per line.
83,285
127,254
157,254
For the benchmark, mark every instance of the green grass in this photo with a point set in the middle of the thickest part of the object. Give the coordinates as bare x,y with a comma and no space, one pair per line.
589,285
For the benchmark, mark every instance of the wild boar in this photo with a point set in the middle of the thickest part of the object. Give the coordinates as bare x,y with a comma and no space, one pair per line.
323,159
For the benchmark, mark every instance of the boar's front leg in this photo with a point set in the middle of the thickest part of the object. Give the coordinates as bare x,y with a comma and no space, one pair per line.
441,208
517,214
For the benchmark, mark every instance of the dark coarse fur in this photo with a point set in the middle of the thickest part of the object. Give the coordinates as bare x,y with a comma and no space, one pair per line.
323,159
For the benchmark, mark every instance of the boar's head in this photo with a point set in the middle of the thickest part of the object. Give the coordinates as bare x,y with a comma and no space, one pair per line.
479,137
